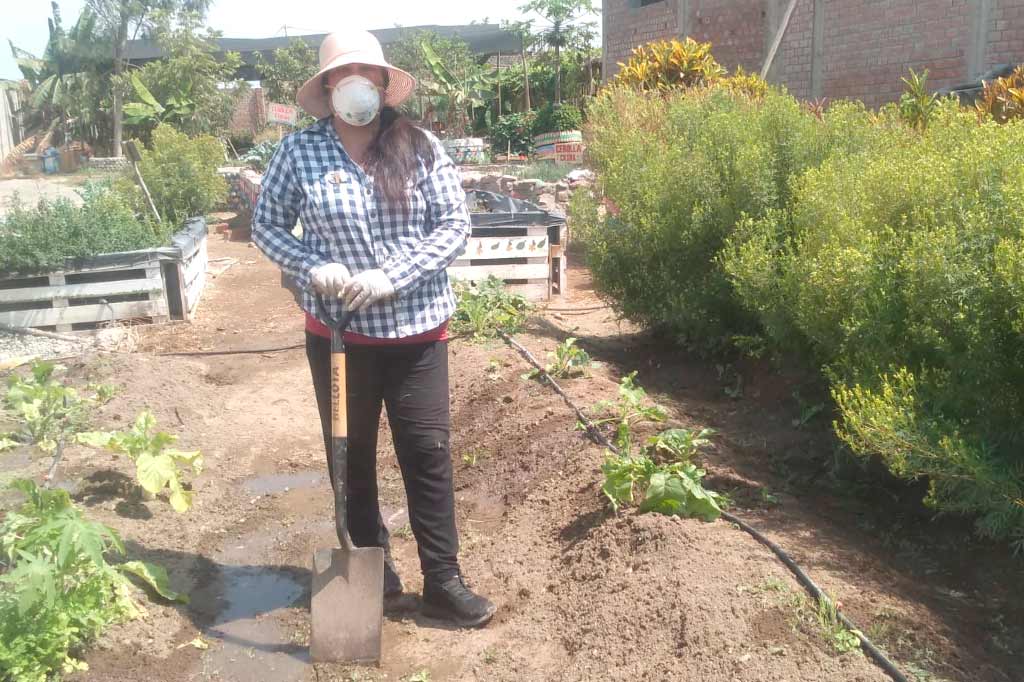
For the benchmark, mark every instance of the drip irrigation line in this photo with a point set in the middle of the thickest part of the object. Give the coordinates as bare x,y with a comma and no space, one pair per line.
805,580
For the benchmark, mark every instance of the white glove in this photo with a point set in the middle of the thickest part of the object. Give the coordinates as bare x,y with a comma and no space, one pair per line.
367,288
329,279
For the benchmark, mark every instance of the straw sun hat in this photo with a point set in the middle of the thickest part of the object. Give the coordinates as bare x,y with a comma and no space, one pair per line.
352,47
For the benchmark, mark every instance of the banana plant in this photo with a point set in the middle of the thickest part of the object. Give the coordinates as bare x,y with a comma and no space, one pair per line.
458,96
149,112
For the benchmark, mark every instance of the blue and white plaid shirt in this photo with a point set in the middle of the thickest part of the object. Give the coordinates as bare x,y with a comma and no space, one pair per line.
312,178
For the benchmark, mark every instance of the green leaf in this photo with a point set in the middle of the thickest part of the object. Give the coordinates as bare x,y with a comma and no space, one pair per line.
155,577
192,459
97,439
180,499
145,95
155,471
7,442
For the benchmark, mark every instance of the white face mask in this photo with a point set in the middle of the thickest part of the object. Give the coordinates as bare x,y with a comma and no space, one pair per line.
356,100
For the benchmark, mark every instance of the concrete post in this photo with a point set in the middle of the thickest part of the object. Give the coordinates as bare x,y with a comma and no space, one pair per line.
818,50
683,27
977,57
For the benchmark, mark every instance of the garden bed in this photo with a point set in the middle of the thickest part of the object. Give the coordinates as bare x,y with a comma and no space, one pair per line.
151,285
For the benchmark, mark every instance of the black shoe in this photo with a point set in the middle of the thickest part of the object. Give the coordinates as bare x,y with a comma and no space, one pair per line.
392,583
452,601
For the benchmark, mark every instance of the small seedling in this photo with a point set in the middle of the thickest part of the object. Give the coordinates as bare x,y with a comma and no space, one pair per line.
472,457
807,411
493,370
157,466
568,361
49,410
768,496
420,676
628,410
404,532
486,309
841,639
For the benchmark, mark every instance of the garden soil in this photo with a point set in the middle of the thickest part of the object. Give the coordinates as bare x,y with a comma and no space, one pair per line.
582,593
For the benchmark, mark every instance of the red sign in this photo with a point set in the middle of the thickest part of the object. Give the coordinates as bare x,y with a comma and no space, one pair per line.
282,113
571,152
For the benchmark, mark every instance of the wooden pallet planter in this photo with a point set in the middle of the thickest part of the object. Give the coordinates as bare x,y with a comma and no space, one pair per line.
517,242
152,285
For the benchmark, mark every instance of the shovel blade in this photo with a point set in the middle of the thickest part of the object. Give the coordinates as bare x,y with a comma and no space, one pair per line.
347,605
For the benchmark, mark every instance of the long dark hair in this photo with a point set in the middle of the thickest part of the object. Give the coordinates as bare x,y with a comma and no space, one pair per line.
395,156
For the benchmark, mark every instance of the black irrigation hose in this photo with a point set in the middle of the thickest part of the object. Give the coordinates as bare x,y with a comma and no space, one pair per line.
872,651
598,437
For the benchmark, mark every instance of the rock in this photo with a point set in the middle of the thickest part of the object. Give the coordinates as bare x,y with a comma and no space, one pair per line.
507,182
469,181
546,201
580,175
528,186
562,197
561,186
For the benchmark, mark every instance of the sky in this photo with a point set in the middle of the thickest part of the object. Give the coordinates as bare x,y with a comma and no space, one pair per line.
24,21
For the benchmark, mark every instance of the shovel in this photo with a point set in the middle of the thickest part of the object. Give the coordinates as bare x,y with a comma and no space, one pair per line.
348,582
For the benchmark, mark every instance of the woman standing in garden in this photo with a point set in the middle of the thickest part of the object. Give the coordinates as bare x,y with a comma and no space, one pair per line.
383,214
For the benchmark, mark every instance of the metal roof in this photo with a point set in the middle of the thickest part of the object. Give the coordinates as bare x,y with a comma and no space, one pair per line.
483,39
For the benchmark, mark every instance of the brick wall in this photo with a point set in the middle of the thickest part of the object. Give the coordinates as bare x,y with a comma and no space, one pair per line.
250,113
634,25
736,29
1006,32
833,48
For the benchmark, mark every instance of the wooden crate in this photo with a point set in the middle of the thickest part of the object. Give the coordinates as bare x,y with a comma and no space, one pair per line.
191,275
84,297
519,255
152,285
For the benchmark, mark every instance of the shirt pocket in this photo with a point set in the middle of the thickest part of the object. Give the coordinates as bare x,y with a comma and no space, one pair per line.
339,206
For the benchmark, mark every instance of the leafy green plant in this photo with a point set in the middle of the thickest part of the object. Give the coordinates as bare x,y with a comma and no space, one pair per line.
59,590
899,270
628,410
548,171
48,410
1003,98
459,92
44,236
672,489
568,361
149,112
158,467
486,308
669,64
515,131
555,118
835,633
917,104
259,155
181,174
677,445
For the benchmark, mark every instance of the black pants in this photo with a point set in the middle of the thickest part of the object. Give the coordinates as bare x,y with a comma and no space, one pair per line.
412,382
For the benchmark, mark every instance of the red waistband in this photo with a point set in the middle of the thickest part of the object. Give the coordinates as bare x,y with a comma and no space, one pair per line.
314,326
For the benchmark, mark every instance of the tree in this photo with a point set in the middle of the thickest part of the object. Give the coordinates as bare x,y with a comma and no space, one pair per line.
124,18
187,88
291,66
567,25
460,91
67,84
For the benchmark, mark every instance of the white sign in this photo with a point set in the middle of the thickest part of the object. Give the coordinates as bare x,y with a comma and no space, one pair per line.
282,113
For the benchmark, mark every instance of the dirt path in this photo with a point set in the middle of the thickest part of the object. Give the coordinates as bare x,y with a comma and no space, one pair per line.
583,595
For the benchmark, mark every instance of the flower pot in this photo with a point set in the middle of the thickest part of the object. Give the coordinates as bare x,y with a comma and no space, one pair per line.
565,146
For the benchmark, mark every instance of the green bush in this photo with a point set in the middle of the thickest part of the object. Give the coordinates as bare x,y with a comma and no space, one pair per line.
901,270
679,172
553,118
42,237
515,129
181,174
